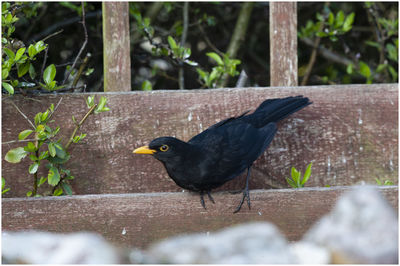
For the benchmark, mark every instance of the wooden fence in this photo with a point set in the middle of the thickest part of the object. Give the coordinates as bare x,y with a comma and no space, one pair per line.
350,133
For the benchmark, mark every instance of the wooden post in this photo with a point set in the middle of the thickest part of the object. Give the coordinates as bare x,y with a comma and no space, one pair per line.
116,46
283,43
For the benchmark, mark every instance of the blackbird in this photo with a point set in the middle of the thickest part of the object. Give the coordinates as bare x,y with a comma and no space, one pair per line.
224,150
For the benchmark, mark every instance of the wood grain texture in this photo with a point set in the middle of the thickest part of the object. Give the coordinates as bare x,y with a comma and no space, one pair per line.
283,43
116,46
350,133
148,217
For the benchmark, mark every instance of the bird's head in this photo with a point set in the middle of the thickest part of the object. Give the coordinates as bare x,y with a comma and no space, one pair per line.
164,148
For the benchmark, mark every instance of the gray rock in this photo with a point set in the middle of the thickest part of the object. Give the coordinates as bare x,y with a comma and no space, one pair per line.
34,247
362,228
309,253
241,244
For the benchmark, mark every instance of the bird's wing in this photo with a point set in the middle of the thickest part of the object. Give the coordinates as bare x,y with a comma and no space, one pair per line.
232,148
199,137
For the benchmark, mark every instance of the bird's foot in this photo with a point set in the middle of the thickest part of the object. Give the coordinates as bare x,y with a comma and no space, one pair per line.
210,197
246,194
202,200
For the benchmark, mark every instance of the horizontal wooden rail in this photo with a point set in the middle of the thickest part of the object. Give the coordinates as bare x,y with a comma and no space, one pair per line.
350,133
139,219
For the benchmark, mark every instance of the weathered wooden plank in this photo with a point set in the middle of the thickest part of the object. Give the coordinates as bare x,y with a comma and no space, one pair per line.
139,219
116,46
283,43
350,133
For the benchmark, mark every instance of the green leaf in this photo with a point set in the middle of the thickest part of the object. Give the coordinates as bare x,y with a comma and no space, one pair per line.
190,62
9,53
33,168
347,25
40,46
381,67
172,43
307,174
364,69
392,52
19,53
53,177
52,149
30,147
291,182
393,72
373,44
24,134
60,151
90,101
295,174
216,57
15,155
37,118
78,138
23,68
31,51
67,188
8,87
388,183
101,106
49,74
42,180
146,86
43,155
349,69
339,19
32,72
58,160
29,193
331,18
4,73
58,192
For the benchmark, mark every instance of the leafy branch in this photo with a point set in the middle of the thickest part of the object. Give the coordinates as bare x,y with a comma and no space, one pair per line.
56,154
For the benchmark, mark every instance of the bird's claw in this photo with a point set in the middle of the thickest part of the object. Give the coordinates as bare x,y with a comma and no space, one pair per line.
210,197
202,199
246,194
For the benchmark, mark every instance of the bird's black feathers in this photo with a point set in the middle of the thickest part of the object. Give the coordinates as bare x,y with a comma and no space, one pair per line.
226,149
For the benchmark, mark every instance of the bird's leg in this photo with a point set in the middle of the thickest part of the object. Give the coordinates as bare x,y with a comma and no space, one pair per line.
209,196
202,200
245,192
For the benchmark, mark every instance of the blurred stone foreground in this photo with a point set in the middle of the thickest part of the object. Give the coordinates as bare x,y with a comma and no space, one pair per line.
362,228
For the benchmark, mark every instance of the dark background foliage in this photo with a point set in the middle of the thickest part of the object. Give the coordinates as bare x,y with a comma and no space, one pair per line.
211,23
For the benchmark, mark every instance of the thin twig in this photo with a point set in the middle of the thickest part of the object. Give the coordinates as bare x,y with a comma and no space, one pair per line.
313,57
81,68
79,125
53,34
17,141
209,43
83,45
26,118
35,178
328,54
44,61
55,108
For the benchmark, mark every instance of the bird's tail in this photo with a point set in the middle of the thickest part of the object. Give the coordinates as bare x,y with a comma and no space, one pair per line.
274,110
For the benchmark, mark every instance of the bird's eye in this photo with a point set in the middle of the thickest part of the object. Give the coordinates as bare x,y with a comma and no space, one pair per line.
164,148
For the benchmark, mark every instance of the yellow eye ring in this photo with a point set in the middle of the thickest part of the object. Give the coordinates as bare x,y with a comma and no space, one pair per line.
164,148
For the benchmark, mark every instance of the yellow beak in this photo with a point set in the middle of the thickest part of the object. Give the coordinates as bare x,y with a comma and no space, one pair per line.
144,150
